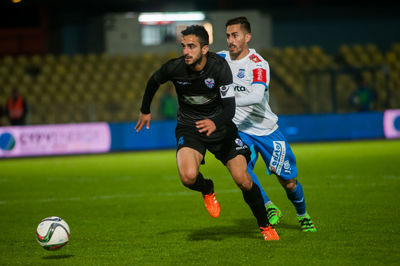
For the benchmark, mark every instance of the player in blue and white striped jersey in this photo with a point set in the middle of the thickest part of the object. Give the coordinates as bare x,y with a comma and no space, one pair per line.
257,123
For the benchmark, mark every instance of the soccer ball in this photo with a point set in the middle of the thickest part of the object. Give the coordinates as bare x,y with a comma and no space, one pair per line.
52,233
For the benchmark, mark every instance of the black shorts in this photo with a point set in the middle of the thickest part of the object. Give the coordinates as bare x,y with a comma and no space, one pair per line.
224,143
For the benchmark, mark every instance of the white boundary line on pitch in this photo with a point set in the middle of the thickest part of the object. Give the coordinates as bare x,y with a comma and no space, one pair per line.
107,197
182,193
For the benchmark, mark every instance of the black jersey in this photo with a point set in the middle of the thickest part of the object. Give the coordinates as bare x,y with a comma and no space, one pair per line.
199,93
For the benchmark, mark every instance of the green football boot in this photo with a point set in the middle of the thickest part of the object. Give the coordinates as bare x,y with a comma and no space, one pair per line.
273,213
306,223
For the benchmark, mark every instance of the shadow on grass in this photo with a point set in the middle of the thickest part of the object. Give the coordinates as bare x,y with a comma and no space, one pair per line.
288,226
57,257
243,228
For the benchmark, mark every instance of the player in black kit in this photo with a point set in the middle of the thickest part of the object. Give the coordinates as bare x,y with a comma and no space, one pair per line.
206,99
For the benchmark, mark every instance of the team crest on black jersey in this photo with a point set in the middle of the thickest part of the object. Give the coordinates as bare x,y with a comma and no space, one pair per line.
240,74
209,82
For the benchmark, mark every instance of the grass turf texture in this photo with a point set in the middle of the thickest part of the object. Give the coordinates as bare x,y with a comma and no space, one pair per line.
131,209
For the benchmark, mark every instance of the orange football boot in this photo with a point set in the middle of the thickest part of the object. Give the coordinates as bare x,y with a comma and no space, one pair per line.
212,205
269,233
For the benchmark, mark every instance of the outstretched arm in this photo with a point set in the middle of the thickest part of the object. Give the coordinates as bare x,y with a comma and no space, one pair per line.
145,115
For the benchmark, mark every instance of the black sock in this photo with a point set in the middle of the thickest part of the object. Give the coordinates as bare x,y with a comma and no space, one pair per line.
205,186
255,201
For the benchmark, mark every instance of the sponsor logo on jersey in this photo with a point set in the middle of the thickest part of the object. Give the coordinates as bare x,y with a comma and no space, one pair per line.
209,82
224,90
240,74
183,82
259,75
227,91
278,157
239,88
254,58
201,99
286,167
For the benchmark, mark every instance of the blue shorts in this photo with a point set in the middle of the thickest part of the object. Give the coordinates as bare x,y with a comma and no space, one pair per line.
275,151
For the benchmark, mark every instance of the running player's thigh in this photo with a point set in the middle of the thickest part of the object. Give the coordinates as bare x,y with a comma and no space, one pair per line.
188,161
247,139
237,166
277,155
264,145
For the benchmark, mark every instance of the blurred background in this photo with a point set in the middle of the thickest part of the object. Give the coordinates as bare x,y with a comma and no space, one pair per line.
86,61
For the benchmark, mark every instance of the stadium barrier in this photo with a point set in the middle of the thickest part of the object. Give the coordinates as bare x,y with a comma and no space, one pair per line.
45,140
160,136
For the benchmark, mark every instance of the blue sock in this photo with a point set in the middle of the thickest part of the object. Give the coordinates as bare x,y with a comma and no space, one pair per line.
297,198
255,180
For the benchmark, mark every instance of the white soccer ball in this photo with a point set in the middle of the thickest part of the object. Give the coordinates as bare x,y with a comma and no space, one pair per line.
52,233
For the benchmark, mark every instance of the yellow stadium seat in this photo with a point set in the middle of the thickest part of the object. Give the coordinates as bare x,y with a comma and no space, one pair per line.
8,60
37,60
49,59
22,60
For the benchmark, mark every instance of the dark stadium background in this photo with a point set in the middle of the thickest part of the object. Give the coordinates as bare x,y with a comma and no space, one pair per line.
55,53
52,16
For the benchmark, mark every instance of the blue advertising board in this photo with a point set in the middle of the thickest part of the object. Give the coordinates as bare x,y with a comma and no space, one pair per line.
45,140
297,128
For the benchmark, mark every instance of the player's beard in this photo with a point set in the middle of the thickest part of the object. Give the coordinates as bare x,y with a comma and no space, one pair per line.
238,51
196,61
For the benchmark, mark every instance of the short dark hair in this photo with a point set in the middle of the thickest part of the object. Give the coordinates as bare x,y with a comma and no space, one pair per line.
239,20
199,31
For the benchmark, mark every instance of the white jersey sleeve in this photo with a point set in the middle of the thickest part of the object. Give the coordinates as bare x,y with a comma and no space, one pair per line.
251,76
254,97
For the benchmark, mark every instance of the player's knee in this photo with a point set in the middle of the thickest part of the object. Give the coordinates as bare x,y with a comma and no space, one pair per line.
290,184
188,177
245,183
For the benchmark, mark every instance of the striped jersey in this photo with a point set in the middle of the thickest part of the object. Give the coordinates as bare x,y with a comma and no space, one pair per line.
256,119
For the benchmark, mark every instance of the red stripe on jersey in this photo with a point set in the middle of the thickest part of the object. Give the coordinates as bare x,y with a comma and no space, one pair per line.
259,75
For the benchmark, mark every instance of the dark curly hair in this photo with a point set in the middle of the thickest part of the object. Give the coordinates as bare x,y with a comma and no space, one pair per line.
199,31
240,20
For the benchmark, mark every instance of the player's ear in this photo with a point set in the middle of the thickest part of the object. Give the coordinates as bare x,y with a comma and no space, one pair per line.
248,37
204,49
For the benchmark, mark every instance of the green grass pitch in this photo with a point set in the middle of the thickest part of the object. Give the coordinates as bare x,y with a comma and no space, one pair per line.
131,209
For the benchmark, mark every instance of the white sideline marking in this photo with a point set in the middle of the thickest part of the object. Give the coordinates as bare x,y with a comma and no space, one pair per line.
392,177
125,196
186,193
